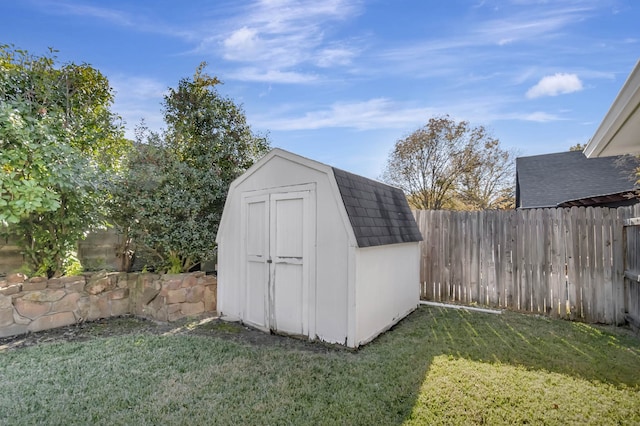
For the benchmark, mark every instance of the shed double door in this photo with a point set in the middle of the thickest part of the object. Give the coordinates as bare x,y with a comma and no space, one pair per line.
278,233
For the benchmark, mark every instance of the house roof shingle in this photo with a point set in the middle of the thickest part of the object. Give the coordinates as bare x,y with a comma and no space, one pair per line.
379,213
564,178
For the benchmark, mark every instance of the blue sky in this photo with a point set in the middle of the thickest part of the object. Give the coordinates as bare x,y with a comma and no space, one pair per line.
340,81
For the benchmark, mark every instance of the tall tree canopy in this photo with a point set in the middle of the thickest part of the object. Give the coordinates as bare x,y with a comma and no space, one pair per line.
449,164
170,199
57,138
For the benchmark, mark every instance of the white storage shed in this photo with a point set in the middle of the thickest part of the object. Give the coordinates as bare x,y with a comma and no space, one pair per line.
310,250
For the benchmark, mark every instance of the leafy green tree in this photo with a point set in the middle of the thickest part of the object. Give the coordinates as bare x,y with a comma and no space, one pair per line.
451,165
207,130
30,160
578,147
58,138
173,192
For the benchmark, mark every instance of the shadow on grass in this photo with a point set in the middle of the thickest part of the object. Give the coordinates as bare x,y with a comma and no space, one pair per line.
438,366
384,381
469,367
589,352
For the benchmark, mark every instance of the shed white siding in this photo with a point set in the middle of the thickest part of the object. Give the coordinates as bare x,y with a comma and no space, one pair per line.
385,294
333,290
331,245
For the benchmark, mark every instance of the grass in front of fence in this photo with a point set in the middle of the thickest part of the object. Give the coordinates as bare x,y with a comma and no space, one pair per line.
439,366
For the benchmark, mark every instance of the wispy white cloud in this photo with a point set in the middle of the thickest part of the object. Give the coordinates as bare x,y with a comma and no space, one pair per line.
385,113
279,35
378,113
538,116
241,44
134,87
480,68
72,8
253,74
120,17
530,24
553,85
279,17
513,26
138,98
485,43
335,55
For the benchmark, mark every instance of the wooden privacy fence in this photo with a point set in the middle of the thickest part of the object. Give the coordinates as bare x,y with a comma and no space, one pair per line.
631,242
97,251
567,263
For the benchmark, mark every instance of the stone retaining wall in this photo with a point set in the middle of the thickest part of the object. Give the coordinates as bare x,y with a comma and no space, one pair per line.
35,304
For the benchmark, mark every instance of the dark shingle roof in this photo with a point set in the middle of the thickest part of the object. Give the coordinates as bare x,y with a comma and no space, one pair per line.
379,213
553,179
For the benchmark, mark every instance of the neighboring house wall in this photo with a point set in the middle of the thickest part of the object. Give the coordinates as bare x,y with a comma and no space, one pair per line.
619,131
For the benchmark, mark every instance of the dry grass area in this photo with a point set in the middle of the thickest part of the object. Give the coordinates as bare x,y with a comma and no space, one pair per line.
438,366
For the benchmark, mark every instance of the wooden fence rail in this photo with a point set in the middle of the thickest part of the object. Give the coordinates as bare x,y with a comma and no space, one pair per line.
566,263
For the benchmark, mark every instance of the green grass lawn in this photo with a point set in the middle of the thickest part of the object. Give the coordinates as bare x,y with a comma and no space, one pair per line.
438,366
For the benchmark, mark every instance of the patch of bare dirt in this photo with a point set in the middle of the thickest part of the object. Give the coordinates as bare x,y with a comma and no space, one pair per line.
207,326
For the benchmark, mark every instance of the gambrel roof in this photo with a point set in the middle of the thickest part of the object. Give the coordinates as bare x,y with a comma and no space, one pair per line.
379,213
376,213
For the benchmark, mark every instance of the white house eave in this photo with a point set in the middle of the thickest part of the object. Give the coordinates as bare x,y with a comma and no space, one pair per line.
619,131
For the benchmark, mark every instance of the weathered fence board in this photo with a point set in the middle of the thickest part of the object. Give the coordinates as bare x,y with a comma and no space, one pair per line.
97,251
10,256
566,263
631,269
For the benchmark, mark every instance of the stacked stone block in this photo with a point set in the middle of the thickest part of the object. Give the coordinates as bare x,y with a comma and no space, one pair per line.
35,304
